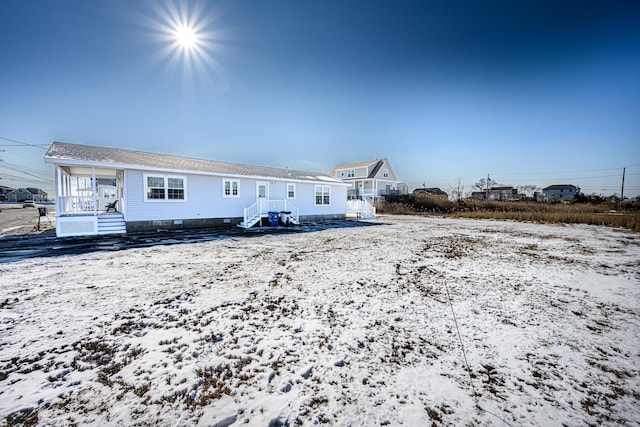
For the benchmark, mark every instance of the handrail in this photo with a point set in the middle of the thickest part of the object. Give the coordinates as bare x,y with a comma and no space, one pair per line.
360,207
75,204
263,206
250,212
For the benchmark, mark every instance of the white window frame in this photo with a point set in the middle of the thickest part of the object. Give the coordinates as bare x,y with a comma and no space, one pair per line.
184,188
385,173
289,184
315,191
351,173
231,182
165,179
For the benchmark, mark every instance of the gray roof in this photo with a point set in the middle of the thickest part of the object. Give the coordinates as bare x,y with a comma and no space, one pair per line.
66,153
560,187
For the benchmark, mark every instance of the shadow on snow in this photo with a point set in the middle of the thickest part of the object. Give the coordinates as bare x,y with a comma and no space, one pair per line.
16,248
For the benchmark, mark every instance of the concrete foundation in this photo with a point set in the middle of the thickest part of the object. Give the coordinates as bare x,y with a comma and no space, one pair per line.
181,224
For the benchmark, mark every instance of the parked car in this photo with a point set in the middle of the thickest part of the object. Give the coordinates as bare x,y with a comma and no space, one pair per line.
28,204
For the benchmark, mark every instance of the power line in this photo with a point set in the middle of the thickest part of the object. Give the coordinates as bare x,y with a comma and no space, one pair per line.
22,143
25,169
30,174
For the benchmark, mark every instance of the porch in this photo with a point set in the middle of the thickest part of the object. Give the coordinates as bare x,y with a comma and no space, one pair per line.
261,208
89,201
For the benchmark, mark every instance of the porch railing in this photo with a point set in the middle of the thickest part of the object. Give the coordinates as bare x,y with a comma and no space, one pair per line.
362,208
76,204
264,206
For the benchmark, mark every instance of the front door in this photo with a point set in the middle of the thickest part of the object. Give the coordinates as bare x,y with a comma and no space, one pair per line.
262,194
262,190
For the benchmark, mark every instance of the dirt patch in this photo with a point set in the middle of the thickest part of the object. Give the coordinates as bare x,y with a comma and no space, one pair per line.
16,220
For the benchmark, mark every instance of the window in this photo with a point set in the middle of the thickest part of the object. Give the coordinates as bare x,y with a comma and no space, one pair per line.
322,194
155,187
175,189
291,191
351,173
162,187
341,173
230,188
385,173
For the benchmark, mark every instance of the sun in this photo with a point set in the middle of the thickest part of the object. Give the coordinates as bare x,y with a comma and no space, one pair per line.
186,37
190,39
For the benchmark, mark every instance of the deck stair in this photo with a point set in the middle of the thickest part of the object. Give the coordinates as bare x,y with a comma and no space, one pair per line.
361,209
111,223
260,209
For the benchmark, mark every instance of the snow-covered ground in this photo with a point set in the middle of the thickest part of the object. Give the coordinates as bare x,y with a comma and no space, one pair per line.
344,326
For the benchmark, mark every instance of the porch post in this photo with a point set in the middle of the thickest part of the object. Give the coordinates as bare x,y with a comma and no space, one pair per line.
57,185
94,189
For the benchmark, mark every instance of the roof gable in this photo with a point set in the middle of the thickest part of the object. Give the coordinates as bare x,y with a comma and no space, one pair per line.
373,167
355,165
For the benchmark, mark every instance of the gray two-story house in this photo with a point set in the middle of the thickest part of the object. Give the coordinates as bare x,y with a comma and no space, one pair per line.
560,192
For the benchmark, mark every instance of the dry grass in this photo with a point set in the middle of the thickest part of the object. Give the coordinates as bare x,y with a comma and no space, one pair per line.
578,213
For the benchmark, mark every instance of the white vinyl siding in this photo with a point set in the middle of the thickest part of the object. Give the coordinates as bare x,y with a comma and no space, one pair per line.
204,198
164,187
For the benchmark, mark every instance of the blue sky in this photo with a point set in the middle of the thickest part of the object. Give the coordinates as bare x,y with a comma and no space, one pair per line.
529,92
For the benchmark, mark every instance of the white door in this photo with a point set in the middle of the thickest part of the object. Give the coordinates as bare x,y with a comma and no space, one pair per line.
262,190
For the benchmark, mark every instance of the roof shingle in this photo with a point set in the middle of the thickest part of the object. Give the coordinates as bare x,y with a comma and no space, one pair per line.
59,152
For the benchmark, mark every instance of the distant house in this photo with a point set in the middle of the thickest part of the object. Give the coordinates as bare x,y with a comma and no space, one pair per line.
369,180
4,191
433,192
125,191
503,194
560,192
23,194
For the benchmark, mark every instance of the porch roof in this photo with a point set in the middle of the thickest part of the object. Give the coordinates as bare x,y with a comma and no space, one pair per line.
63,153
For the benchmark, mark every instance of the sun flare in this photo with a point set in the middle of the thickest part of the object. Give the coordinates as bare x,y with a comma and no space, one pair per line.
191,41
186,37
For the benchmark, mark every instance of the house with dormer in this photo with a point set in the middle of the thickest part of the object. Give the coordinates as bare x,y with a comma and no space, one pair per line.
369,180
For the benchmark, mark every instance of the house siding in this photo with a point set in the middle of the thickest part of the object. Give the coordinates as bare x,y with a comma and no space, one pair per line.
204,200
359,173
380,174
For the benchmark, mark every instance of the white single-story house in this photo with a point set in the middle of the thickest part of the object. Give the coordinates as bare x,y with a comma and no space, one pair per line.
101,190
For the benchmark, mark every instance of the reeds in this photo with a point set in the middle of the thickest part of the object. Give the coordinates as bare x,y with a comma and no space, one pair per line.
575,213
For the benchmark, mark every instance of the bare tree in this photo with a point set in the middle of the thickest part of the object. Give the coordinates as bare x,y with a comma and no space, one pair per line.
528,190
485,183
457,192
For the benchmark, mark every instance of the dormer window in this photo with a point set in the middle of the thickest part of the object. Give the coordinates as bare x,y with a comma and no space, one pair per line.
385,173
351,173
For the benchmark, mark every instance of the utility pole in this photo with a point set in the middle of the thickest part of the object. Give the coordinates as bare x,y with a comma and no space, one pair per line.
486,194
622,190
